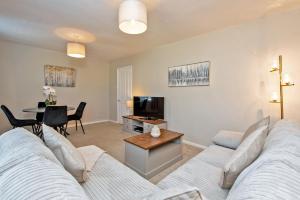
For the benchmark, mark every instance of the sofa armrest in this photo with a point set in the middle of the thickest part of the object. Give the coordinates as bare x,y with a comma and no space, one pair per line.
229,139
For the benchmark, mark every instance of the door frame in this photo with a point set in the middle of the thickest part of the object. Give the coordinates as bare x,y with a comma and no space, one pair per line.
119,115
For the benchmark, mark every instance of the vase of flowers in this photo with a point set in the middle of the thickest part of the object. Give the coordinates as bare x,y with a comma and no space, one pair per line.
50,95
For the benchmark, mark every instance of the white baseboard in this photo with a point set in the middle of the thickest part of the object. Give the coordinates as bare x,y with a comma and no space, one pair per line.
194,144
113,121
88,123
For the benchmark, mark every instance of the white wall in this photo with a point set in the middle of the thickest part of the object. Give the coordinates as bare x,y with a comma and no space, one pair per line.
240,83
22,78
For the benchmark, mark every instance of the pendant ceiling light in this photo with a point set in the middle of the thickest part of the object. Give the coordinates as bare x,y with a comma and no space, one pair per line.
133,17
76,50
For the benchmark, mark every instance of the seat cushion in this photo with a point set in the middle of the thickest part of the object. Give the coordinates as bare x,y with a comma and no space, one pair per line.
197,173
180,193
215,155
110,179
66,153
27,122
73,117
38,178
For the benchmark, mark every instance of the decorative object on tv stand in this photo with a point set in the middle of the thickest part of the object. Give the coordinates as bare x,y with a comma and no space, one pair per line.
196,74
284,81
50,95
59,76
155,132
133,17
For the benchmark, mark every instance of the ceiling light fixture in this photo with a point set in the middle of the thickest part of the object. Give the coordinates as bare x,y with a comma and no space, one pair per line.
75,50
132,17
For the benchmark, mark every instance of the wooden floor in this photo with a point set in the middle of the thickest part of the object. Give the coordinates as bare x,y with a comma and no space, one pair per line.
109,137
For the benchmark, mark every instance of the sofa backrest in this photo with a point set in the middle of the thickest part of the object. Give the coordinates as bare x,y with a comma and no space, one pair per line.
276,172
29,170
19,144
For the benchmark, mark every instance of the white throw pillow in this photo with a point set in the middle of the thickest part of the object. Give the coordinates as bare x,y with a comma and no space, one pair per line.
263,122
245,154
66,153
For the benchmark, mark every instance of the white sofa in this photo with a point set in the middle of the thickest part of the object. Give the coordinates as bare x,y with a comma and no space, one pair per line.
274,175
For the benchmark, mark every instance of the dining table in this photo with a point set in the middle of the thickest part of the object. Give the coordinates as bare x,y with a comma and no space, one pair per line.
42,110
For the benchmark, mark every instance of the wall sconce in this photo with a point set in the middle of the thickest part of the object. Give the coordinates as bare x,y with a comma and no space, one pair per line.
275,98
284,80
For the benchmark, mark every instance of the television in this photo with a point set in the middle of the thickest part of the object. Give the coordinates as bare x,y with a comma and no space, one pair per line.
148,107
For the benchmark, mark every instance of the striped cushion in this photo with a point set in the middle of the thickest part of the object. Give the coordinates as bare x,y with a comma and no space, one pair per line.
110,179
180,193
198,174
66,153
276,173
19,144
245,154
37,178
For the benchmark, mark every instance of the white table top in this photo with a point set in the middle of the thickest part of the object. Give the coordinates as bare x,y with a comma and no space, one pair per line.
42,110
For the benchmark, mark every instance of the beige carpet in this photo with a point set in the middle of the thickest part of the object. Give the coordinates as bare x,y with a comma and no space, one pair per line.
109,137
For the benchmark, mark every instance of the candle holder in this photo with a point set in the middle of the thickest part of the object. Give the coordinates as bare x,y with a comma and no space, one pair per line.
281,85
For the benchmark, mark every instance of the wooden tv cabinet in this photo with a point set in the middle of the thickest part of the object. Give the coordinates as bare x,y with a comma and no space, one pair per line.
138,125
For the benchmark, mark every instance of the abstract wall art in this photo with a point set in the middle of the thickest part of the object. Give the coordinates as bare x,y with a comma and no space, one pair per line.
59,76
196,74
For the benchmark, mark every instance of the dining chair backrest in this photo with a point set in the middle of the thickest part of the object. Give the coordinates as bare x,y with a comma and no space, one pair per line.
11,118
41,104
55,116
80,109
40,116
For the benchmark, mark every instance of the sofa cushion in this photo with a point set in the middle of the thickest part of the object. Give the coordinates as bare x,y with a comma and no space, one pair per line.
263,122
197,173
215,155
19,144
66,153
245,154
275,174
181,193
110,179
229,139
38,178
90,154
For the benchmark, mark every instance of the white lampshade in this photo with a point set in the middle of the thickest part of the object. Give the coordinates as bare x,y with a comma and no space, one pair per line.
76,50
132,17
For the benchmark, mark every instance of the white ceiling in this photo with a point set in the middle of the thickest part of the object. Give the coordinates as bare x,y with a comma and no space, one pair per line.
42,23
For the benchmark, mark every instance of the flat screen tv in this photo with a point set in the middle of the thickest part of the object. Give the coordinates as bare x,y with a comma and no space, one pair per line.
149,107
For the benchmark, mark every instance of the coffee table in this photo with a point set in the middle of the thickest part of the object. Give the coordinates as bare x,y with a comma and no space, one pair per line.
148,156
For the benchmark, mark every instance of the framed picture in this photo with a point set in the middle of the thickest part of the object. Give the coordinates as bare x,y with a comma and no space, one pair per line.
59,76
196,74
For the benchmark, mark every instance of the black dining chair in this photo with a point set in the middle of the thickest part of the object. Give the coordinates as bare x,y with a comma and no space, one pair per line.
19,122
56,117
78,115
40,116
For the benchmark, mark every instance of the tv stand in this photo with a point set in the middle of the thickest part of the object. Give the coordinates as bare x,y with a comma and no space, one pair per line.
150,118
138,125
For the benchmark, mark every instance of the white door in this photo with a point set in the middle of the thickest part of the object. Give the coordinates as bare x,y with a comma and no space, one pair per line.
124,91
